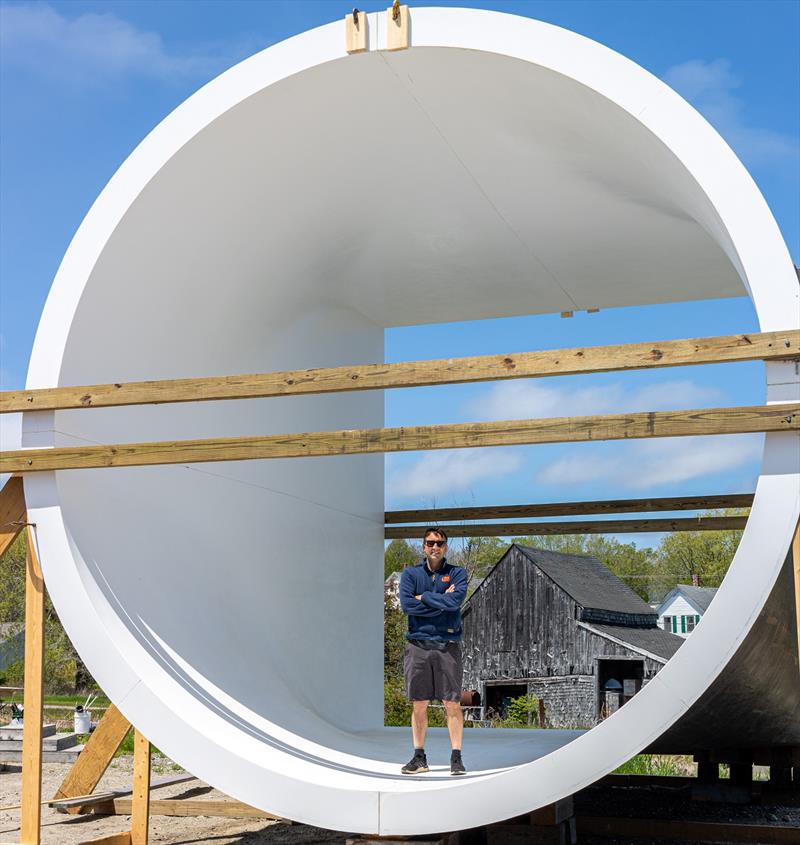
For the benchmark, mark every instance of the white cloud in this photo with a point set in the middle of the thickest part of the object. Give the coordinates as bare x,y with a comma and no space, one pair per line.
439,474
650,463
95,47
528,399
709,87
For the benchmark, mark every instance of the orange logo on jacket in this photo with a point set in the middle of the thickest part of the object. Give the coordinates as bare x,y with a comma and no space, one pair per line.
445,578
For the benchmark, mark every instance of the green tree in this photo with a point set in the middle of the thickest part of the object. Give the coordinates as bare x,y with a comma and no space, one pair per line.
477,555
64,672
704,554
398,555
635,566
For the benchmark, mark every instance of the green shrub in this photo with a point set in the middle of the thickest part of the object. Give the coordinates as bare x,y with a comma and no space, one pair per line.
522,712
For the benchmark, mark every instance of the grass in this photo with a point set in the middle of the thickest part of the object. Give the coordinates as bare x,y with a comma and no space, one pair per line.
665,765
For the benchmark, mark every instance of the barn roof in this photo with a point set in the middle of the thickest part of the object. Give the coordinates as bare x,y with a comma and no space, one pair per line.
590,583
653,641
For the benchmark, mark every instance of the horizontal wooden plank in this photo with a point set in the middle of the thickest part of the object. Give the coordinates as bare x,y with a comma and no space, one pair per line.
113,839
198,807
604,526
782,417
606,506
553,362
688,830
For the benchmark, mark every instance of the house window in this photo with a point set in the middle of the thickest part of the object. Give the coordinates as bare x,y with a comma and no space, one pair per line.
690,620
666,624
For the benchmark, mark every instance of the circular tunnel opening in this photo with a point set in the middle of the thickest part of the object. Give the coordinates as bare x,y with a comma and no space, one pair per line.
283,218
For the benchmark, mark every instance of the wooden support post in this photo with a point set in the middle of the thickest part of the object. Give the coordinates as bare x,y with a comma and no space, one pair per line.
92,762
140,800
13,513
30,822
796,556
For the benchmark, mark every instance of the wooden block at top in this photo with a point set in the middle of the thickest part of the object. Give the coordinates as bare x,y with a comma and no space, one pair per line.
397,28
355,29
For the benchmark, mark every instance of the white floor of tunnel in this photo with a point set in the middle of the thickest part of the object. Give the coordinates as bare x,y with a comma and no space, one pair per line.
485,750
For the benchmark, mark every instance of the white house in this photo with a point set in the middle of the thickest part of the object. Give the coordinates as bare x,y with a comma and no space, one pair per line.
682,608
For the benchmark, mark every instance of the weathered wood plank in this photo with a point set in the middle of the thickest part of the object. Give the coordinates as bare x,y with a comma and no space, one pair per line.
768,346
31,797
605,526
113,839
199,807
13,512
608,506
782,417
140,799
86,771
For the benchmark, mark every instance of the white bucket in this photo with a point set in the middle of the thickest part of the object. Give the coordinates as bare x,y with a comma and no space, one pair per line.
83,722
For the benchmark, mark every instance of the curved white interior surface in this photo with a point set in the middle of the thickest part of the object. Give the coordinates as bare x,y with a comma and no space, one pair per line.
281,218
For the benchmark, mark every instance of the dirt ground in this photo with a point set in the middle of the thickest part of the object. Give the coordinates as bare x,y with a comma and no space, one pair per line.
62,829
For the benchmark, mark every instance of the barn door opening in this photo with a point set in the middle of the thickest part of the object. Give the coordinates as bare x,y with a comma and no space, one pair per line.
618,680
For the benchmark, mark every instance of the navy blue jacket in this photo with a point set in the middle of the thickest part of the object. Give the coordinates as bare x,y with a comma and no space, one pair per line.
437,616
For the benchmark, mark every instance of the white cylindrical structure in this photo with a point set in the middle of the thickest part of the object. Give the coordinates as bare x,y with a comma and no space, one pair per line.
281,218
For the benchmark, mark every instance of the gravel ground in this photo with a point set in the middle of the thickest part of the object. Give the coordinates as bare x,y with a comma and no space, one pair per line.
60,829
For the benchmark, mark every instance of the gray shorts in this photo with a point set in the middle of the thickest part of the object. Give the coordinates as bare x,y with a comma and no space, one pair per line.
431,674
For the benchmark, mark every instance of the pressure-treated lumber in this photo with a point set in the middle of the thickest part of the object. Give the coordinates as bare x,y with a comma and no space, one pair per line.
606,506
191,807
140,798
92,762
769,346
605,526
30,820
781,417
13,512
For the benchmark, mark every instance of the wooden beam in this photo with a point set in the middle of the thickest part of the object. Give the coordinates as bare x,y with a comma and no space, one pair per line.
691,831
608,506
113,839
769,346
201,807
140,799
92,762
782,417
397,31
605,526
13,513
30,820
796,556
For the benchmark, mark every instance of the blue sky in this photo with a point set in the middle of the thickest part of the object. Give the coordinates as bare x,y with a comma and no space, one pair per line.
81,83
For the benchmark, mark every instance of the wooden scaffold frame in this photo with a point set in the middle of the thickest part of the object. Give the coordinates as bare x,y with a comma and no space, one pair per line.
112,729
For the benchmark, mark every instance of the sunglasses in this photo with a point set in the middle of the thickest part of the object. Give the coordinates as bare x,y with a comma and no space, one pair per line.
432,543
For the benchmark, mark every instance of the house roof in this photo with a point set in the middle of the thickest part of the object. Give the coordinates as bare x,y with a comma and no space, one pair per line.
589,582
698,597
654,641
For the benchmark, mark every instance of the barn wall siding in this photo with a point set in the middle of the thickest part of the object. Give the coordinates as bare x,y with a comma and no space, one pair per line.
522,627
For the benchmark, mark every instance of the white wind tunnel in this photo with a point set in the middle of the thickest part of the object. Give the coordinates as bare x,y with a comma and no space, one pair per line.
282,218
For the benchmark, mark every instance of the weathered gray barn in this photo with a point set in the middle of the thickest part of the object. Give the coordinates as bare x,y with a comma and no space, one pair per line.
564,628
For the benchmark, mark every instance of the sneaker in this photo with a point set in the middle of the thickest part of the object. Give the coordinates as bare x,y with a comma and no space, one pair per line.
457,765
416,765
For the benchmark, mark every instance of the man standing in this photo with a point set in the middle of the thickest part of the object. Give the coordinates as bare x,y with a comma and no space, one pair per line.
431,594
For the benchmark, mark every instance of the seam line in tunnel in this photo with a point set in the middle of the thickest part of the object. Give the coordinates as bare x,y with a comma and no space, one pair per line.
476,182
